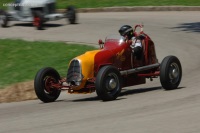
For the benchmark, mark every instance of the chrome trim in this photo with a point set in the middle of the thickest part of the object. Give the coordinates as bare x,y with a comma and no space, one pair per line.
74,74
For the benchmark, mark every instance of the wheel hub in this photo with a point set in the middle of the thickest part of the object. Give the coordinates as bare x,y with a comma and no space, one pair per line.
174,73
36,21
112,84
48,84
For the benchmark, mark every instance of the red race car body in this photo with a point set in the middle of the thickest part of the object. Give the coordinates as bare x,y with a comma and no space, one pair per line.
109,69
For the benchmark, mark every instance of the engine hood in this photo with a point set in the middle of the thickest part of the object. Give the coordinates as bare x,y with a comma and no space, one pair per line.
87,65
86,62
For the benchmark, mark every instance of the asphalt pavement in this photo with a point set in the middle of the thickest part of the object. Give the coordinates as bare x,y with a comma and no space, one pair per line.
140,109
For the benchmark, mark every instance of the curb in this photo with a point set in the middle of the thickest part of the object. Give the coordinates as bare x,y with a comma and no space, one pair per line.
137,8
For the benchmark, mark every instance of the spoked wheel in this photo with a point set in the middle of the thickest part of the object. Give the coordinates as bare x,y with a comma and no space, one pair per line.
43,84
38,20
108,83
170,72
3,19
71,14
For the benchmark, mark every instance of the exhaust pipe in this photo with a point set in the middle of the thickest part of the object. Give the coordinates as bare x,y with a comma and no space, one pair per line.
139,69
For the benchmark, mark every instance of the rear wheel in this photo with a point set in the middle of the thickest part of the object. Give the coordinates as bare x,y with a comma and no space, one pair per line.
42,84
108,83
3,19
38,20
71,14
170,73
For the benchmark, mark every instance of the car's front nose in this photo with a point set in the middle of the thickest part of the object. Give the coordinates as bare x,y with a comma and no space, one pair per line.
74,75
81,69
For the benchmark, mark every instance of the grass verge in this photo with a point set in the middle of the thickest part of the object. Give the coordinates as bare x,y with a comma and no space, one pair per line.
20,60
111,3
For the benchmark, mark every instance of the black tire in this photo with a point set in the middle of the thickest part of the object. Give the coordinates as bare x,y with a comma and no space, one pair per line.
71,14
44,92
108,83
38,20
3,19
170,73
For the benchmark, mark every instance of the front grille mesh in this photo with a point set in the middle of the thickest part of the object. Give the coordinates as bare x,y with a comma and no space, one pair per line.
74,72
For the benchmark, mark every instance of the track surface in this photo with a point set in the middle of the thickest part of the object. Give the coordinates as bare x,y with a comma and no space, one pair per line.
139,109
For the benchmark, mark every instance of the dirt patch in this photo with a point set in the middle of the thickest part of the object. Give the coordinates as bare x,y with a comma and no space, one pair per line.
18,92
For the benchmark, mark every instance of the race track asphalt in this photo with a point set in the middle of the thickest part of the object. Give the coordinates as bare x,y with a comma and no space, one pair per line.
139,109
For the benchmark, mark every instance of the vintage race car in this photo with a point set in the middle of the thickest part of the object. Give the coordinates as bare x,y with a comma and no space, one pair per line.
36,11
108,70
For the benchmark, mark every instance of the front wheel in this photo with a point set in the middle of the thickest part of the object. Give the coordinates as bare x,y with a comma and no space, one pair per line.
71,14
3,19
42,84
108,83
38,20
170,73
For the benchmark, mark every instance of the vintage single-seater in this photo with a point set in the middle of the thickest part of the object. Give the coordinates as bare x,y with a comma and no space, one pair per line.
108,70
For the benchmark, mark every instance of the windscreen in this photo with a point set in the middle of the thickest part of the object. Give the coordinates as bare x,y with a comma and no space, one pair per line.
115,38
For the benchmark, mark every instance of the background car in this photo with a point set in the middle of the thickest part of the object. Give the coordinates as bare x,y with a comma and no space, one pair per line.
36,11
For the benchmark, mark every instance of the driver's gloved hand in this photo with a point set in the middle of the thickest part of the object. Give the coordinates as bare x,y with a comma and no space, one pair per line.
141,37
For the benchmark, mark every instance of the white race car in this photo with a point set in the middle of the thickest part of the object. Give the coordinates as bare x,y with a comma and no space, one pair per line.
36,11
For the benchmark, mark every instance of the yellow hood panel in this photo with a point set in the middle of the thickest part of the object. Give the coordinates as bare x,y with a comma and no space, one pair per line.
87,66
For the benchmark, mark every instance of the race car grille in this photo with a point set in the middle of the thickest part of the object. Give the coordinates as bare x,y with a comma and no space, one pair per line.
74,75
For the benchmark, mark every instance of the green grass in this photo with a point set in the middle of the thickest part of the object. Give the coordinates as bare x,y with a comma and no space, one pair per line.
20,60
111,3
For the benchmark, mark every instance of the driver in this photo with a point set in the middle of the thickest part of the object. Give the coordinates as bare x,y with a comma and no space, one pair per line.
127,32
